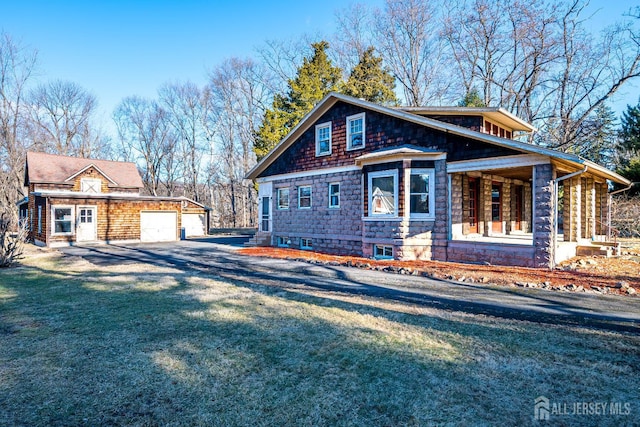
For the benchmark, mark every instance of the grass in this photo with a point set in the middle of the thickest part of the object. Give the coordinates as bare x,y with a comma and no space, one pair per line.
83,345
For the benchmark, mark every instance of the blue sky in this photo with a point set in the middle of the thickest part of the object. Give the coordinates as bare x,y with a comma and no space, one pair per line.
119,48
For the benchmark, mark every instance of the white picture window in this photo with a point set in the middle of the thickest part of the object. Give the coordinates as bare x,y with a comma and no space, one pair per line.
383,251
383,194
62,219
90,185
323,139
304,197
421,193
283,198
355,131
334,195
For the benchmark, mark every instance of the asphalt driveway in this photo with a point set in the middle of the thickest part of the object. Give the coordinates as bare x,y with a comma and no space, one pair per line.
218,256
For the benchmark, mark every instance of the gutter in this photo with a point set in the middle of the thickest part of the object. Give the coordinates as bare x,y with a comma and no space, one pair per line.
555,216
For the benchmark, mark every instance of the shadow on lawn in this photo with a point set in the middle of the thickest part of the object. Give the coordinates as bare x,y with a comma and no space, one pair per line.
168,357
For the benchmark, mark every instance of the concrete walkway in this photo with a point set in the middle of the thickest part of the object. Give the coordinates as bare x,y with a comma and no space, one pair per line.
218,256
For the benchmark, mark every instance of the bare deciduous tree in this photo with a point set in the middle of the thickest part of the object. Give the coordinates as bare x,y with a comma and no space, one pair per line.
145,134
61,114
17,66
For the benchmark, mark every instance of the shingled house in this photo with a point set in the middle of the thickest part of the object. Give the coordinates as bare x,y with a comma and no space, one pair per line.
73,200
455,184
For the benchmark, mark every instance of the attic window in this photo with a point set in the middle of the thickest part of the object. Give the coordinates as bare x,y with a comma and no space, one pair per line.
90,185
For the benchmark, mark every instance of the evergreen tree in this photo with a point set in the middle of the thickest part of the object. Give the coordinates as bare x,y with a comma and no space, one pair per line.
601,137
315,79
472,99
630,134
370,81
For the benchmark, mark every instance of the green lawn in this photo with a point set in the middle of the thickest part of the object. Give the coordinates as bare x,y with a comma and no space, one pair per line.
82,345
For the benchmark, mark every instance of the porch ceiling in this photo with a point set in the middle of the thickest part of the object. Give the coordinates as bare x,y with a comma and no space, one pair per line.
524,173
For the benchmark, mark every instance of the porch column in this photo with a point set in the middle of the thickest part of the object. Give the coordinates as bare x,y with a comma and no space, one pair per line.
602,207
526,194
544,211
485,191
572,209
506,206
590,208
458,205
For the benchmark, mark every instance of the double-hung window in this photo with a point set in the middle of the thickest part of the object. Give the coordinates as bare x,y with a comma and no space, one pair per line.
383,193
283,198
304,197
62,219
421,190
355,131
334,195
323,139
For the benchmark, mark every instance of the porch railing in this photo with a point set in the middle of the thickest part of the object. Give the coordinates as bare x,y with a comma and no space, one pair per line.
611,234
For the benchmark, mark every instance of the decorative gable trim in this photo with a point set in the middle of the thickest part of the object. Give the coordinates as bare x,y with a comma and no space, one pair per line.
87,167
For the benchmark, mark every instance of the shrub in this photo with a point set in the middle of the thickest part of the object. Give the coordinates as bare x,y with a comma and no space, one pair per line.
12,238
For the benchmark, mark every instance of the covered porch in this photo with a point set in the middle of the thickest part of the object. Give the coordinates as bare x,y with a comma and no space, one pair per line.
526,210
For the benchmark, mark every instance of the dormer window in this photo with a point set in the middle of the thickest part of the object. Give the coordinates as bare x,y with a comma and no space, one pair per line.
494,129
90,185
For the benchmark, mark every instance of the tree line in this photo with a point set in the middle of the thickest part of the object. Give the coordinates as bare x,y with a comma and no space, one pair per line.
538,59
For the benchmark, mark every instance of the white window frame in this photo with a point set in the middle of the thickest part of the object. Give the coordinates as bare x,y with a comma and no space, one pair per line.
306,243
332,206
318,129
383,247
310,196
386,173
349,120
431,192
93,183
278,205
72,220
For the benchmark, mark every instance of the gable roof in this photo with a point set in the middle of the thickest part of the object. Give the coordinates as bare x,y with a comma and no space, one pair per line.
56,169
332,98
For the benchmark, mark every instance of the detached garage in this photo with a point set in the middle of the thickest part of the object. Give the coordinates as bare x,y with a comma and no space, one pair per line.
75,200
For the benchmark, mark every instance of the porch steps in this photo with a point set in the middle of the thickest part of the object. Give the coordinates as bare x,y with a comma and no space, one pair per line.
259,239
591,248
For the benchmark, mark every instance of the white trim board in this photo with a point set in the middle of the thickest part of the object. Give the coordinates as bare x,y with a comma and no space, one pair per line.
305,174
498,163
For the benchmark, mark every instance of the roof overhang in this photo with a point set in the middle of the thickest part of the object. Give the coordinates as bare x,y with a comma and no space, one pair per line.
406,152
499,115
87,167
112,196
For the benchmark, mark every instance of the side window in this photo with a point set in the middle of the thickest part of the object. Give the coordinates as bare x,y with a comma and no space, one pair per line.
283,198
383,251
355,132
323,139
334,195
304,197
306,243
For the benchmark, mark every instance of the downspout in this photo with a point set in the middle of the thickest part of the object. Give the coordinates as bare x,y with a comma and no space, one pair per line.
555,217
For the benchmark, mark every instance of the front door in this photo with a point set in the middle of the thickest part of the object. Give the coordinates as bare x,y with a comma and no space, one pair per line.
496,208
518,207
86,228
474,191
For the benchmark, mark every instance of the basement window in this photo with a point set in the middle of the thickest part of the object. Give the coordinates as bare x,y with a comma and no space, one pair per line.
283,242
383,251
306,243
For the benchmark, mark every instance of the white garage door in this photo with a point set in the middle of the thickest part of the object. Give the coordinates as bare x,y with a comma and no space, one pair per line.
158,226
193,224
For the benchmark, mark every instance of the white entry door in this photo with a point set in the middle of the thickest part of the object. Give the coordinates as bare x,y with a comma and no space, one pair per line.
264,200
158,226
86,227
